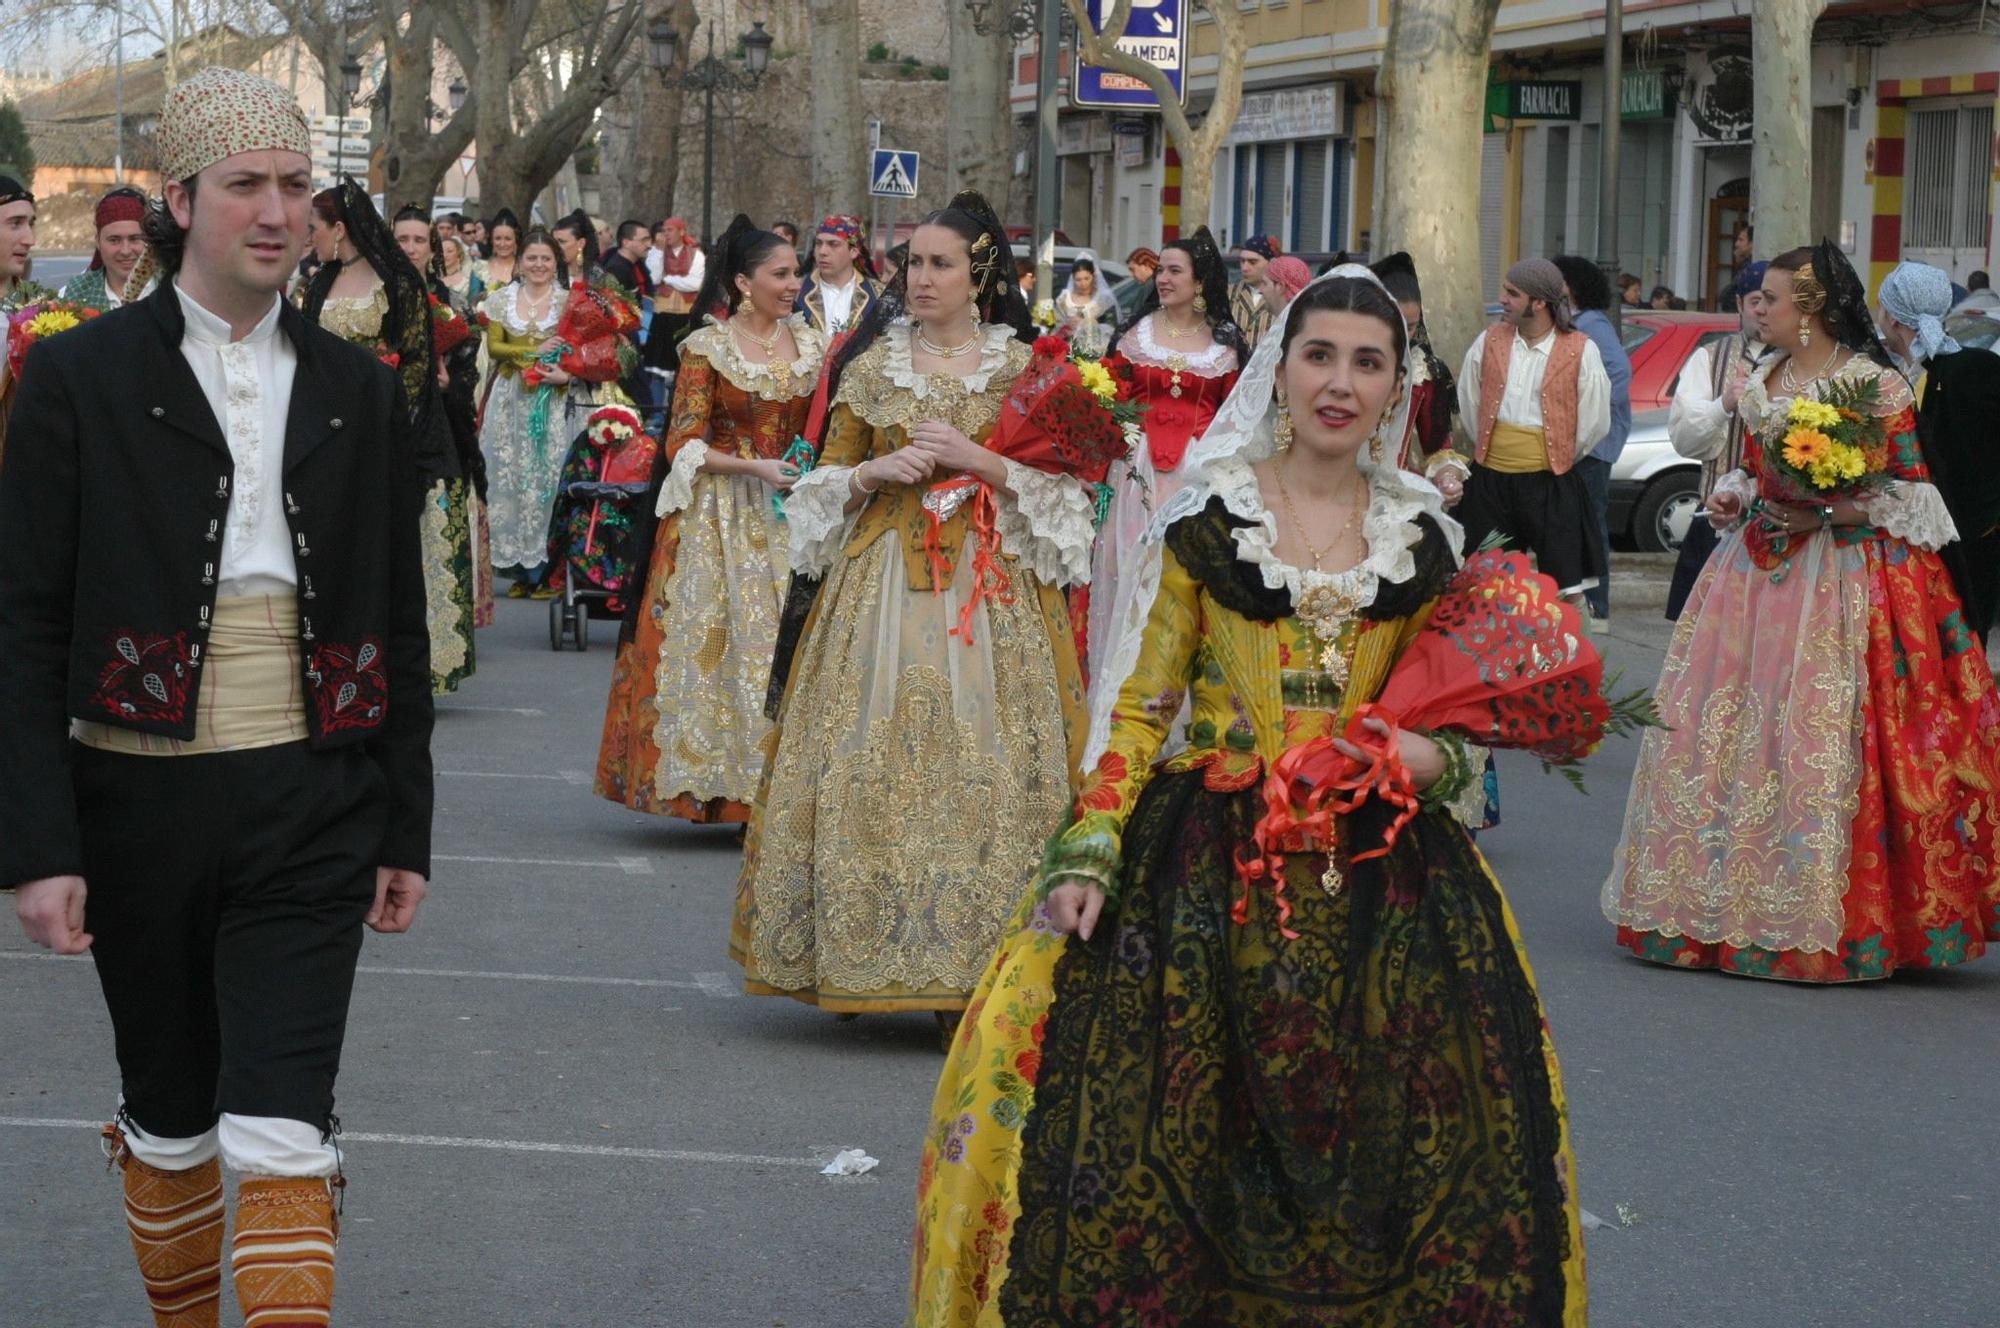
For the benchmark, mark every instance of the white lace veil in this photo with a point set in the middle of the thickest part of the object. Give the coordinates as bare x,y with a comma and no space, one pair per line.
1242,432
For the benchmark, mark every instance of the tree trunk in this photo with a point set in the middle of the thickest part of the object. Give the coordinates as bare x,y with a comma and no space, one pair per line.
414,159
502,181
1781,125
1432,91
840,134
979,126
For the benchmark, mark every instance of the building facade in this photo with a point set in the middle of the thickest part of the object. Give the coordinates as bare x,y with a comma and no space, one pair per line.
1903,160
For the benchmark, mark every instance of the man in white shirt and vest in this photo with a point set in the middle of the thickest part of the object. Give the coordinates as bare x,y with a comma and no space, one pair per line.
1535,394
215,709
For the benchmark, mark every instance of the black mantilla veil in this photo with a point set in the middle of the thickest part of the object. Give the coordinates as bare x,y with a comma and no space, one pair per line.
1213,275
461,410
406,327
997,294
1398,274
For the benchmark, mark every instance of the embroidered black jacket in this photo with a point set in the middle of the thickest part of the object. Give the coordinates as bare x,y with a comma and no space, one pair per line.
114,494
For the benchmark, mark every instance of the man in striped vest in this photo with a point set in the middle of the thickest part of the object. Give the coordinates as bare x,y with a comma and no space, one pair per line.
1534,391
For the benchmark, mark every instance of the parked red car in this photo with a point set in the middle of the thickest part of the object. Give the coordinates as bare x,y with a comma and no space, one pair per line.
1659,343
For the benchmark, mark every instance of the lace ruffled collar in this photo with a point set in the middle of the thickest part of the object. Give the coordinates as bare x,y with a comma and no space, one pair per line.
1141,347
995,355
1762,403
517,323
1395,500
722,350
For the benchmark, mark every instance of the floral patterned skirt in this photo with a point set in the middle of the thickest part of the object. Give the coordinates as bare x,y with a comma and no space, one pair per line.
1190,1121
1825,806
482,566
448,583
914,779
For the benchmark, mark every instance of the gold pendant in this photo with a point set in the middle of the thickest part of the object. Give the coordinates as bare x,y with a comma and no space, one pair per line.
1331,880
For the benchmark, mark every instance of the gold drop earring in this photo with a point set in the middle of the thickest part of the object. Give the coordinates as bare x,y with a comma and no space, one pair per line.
1805,333
1200,304
1281,430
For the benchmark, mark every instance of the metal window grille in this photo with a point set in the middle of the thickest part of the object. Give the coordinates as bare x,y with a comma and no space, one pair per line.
1309,196
1947,180
1271,188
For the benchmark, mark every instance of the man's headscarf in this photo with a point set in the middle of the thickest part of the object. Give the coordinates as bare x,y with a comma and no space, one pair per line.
221,112
1918,296
1290,275
845,227
13,191
1264,246
1540,279
116,206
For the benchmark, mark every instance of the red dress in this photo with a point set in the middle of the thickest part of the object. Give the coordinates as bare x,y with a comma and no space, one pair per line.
1823,806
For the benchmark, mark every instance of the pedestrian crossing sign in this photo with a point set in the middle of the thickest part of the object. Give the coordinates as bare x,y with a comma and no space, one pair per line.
894,174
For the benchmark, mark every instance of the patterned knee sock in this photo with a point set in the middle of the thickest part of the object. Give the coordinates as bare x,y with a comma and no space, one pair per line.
176,1222
283,1253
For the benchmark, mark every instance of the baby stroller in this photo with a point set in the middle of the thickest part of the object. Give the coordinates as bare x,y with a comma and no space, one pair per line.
606,475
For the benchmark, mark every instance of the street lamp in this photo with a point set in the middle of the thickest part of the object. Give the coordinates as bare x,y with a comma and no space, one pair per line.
707,75
456,92
350,79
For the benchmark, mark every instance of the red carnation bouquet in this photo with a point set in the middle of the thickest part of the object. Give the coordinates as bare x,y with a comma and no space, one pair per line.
1067,414
449,328
35,322
1503,662
594,330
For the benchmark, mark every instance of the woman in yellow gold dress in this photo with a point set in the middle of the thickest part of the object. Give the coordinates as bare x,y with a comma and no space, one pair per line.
684,730
1186,1094
916,768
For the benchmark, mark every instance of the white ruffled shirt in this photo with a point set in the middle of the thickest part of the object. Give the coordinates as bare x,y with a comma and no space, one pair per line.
1521,400
248,384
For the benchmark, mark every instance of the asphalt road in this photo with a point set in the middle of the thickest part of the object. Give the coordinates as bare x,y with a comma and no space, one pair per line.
560,1111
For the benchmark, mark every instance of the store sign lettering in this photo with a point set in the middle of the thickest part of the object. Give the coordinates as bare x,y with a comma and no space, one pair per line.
1545,99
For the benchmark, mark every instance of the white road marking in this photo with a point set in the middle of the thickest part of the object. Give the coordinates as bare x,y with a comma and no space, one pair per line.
497,1145
490,710
630,866
716,985
559,777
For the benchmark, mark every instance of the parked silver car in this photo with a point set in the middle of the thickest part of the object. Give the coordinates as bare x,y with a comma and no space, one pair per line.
1655,491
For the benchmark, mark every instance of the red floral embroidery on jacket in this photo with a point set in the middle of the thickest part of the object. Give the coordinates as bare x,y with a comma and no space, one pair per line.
350,684
147,678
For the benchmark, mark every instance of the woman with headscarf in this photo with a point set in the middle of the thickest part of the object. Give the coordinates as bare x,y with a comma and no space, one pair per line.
1316,1093
368,292
1822,806
684,729
924,744
1084,305
1961,405
1183,354
121,244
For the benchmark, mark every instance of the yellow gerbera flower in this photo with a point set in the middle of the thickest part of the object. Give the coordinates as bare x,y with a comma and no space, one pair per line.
1814,414
1099,380
51,321
1805,447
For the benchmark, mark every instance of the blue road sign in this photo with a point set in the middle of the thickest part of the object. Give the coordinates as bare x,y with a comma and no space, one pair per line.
1156,32
894,174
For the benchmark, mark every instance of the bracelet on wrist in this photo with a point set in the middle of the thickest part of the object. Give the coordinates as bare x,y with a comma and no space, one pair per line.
861,486
1457,773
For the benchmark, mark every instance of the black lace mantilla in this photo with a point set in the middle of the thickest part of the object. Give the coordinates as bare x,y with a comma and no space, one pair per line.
1205,543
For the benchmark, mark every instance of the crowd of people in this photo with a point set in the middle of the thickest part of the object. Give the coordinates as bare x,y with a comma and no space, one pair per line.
1110,765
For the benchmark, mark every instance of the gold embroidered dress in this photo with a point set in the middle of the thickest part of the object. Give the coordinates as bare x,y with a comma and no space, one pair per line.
684,730
915,775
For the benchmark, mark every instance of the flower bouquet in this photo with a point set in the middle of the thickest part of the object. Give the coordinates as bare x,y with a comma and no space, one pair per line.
1503,661
449,328
1067,414
593,346
38,321
1833,447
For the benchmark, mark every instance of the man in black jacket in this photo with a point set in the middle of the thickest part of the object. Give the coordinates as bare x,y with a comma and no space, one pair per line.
1956,418
215,706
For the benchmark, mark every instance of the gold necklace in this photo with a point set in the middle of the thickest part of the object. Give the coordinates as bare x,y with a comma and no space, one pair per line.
1201,325
1299,526
780,368
1792,383
930,347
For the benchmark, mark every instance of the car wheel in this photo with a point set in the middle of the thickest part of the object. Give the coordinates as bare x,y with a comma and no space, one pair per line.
1670,504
